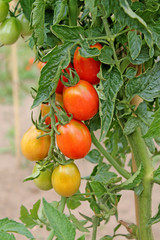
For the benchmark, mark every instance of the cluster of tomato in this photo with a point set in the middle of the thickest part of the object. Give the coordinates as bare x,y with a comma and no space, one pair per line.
12,27
74,139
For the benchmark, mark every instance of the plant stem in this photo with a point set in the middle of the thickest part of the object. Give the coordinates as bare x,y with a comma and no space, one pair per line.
73,12
95,224
141,156
110,159
52,134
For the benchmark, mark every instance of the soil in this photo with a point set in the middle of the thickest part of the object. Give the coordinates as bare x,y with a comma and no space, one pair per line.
14,192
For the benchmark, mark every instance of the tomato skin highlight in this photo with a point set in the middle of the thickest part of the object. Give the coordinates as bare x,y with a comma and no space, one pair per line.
10,31
4,8
43,181
60,85
87,68
32,148
74,140
81,100
66,179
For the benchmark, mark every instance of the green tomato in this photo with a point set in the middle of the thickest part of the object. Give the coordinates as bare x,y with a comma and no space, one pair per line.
10,31
4,7
43,181
26,31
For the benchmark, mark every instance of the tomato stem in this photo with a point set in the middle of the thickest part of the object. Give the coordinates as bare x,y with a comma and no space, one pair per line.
95,224
73,12
141,156
110,159
52,133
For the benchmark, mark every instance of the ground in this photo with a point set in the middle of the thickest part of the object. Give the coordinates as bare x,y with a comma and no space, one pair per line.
14,192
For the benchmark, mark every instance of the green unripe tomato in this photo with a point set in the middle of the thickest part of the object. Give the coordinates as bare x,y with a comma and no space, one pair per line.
43,181
26,31
10,30
4,7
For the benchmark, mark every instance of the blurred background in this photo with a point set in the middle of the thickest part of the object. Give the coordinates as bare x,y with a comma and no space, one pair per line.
15,119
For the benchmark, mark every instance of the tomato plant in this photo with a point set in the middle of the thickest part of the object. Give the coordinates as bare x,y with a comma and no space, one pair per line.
87,68
74,140
4,7
60,85
10,30
66,179
43,181
115,46
81,100
32,148
26,31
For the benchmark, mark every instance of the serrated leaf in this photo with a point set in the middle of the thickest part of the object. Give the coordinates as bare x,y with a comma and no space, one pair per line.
73,203
32,176
156,218
142,57
98,189
60,11
90,4
38,16
154,130
108,93
68,33
130,73
133,181
6,236
63,229
8,225
26,218
27,7
81,238
34,210
156,175
87,52
78,224
51,72
130,126
94,156
135,44
150,88
106,55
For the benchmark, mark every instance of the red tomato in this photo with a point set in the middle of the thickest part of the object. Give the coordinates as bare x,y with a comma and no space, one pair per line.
81,100
87,68
74,140
60,85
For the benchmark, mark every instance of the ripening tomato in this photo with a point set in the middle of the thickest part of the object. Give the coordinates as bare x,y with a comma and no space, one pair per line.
66,179
43,181
74,140
4,7
87,68
45,108
81,100
26,31
10,31
32,148
60,85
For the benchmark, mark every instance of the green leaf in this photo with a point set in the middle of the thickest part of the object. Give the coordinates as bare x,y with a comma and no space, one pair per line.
135,44
142,57
78,224
94,156
34,210
87,52
68,33
154,130
155,29
51,72
156,218
106,55
133,181
26,218
130,73
94,123
108,93
60,11
130,126
98,189
27,7
81,238
156,175
38,16
8,225
32,176
6,236
72,203
90,4
150,88
63,229
107,237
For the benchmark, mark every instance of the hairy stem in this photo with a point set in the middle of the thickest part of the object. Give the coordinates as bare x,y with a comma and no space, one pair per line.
110,159
73,12
95,224
141,156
